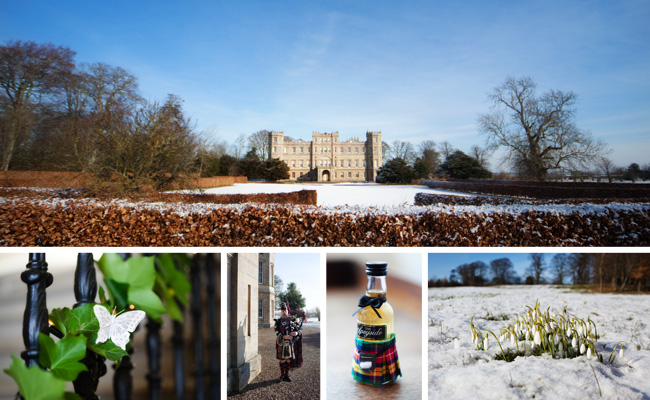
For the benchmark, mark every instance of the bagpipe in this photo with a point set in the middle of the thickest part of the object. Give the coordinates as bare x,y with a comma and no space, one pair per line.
302,314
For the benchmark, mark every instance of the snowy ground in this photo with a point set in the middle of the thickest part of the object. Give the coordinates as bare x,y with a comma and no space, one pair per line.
463,372
353,194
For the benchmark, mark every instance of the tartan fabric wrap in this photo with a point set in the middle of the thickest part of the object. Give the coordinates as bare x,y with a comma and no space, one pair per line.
386,366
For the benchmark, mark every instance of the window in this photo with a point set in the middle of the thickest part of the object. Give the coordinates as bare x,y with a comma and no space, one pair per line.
300,164
261,273
357,174
261,309
293,174
293,163
294,149
349,174
356,163
364,163
349,149
349,163
249,311
302,149
356,149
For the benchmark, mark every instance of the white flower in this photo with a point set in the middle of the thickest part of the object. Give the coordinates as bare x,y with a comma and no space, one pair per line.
582,349
538,339
574,343
560,347
513,339
486,343
589,353
556,338
621,353
553,325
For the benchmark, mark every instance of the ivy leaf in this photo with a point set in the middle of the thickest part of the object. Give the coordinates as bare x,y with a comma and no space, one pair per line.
175,277
147,301
35,383
108,349
64,357
80,320
119,293
113,267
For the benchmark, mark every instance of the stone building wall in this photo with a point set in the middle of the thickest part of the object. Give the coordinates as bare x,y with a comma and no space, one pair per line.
327,158
243,359
266,298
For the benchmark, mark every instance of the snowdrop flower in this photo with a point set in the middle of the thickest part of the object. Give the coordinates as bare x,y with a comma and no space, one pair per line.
589,353
538,339
513,339
574,343
486,343
621,353
553,325
560,348
582,349
556,339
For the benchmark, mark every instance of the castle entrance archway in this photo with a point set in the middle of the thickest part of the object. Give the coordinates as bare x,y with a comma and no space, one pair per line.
325,177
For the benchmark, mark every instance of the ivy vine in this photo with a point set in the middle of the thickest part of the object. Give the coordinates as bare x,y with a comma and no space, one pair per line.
155,284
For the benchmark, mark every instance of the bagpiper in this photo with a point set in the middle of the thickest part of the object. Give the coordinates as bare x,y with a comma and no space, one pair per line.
288,345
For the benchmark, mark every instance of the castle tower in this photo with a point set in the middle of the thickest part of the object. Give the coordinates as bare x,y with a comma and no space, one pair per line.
373,154
276,144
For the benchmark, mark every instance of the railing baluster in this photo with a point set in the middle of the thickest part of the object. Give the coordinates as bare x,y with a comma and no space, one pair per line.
213,341
85,290
122,380
195,278
178,340
35,318
153,354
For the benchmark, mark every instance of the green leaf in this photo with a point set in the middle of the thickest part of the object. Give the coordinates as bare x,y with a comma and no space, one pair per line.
102,295
174,277
147,301
169,299
119,293
113,267
64,357
107,349
59,318
142,272
35,383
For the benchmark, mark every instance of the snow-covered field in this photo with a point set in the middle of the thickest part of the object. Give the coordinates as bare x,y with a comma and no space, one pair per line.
352,194
461,372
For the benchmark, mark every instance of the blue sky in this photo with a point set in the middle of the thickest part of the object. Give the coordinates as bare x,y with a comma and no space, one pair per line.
441,264
304,270
416,71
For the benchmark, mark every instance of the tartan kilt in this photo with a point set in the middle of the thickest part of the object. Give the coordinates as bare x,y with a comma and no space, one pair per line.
386,362
284,349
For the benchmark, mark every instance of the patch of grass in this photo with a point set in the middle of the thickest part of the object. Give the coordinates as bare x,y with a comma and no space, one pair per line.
495,317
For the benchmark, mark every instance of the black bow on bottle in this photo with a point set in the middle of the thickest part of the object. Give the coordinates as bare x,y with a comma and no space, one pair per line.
367,301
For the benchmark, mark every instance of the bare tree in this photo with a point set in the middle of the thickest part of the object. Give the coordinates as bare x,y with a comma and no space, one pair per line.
481,155
536,268
537,131
239,148
503,271
260,142
157,148
472,274
560,267
401,149
29,74
581,266
606,167
446,149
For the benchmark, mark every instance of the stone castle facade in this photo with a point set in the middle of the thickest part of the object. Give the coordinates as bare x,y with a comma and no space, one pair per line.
327,159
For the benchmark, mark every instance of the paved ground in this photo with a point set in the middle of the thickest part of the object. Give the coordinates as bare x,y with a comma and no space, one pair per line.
306,379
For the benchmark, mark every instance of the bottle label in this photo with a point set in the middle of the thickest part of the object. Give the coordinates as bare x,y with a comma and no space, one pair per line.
371,332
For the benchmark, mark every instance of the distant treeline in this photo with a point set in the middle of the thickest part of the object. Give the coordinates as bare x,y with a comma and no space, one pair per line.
616,272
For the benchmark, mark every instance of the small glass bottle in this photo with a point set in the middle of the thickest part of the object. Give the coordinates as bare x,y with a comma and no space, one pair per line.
375,324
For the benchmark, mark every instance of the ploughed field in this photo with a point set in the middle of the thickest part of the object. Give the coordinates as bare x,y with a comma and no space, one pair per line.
339,215
457,370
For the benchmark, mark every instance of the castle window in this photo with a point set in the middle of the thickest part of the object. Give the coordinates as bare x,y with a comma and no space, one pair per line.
356,149
302,149
294,149
357,174
364,163
301,164
261,309
293,163
349,149
261,273
349,174
357,163
349,163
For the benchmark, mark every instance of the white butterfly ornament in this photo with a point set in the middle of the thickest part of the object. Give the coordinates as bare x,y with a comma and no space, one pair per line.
117,327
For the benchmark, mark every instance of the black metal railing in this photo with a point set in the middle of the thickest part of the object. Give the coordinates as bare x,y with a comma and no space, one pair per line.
204,274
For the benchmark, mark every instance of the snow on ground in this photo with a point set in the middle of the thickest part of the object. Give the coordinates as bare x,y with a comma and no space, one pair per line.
352,194
464,373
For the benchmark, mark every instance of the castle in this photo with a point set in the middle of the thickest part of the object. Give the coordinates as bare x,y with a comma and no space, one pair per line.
327,159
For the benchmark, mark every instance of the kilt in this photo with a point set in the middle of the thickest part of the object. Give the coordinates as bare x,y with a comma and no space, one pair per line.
375,363
289,350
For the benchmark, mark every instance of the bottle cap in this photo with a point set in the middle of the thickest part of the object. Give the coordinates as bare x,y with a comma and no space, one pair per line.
376,268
